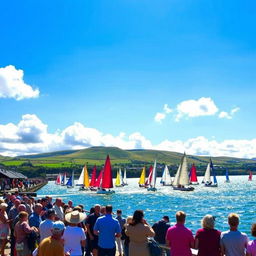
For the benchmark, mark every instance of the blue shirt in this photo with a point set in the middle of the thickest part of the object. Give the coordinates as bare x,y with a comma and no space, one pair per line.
34,220
107,227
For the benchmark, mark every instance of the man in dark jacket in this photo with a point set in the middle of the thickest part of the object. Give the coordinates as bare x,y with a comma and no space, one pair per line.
160,229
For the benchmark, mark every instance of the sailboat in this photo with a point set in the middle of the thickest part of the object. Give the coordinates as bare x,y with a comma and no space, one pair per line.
119,180
148,180
142,180
152,182
250,176
125,179
70,182
207,176
99,179
83,180
193,176
92,184
181,179
107,181
166,177
58,179
227,177
64,179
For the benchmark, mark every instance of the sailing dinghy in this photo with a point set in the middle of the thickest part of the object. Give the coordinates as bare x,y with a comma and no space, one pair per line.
181,179
93,181
166,177
149,179
83,180
142,179
64,179
193,176
58,179
125,178
250,176
207,176
70,182
106,181
227,177
119,179
152,182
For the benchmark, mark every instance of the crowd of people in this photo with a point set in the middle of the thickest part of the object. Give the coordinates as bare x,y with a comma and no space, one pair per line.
46,228
20,184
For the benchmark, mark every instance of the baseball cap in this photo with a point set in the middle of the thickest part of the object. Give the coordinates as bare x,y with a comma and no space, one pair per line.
58,226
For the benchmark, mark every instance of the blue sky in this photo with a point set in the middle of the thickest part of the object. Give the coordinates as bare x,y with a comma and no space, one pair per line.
112,65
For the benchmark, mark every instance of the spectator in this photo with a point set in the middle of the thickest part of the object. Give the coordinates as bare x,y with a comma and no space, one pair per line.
4,227
160,229
22,229
233,242
107,228
138,232
27,205
125,237
119,241
251,248
35,218
92,238
21,208
46,225
52,245
74,236
179,238
44,203
207,239
58,209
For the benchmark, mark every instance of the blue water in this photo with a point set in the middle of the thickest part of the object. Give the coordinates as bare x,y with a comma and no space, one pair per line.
237,196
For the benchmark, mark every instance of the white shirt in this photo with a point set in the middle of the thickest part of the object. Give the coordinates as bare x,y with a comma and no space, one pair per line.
45,229
59,212
72,240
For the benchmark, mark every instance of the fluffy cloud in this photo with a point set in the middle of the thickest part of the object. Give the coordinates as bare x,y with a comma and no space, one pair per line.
224,114
31,135
12,84
159,116
194,108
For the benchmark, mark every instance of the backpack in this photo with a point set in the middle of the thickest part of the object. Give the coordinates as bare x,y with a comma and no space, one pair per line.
154,248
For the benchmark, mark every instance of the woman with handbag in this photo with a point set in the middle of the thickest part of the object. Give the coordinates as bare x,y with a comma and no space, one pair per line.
4,227
21,232
138,232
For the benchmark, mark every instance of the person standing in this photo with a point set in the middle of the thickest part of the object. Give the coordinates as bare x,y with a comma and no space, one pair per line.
119,241
4,227
233,242
107,228
58,209
251,248
74,236
35,217
179,238
138,232
160,229
52,245
45,228
92,238
207,239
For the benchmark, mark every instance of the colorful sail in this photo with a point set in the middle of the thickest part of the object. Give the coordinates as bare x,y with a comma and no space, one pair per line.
58,180
64,179
149,179
142,177
86,182
107,181
193,176
93,178
213,173
99,179
152,182
250,176
227,176
70,182
118,180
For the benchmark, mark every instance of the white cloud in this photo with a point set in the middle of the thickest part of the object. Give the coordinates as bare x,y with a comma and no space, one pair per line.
194,108
159,117
167,110
31,135
224,114
12,84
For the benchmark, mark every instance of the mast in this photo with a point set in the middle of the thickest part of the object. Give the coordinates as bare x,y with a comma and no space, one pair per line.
152,182
213,173
107,181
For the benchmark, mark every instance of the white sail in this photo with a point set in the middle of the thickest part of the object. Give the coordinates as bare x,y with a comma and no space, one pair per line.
73,178
81,178
184,177
166,178
125,179
153,180
121,177
207,175
65,179
176,178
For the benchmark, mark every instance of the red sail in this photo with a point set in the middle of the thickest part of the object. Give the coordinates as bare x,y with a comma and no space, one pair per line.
193,177
250,176
98,181
93,179
58,180
107,181
148,181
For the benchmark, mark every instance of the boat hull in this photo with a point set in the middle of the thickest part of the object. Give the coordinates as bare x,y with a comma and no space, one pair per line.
152,189
184,188
211,185
105,192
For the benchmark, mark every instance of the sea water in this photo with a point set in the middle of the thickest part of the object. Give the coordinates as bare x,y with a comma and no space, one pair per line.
237,196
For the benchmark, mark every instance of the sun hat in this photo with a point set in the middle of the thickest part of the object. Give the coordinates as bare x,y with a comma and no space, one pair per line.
75,217
58,226
3,205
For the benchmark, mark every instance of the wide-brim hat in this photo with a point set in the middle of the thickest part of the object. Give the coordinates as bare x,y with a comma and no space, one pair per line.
75,217
3,206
